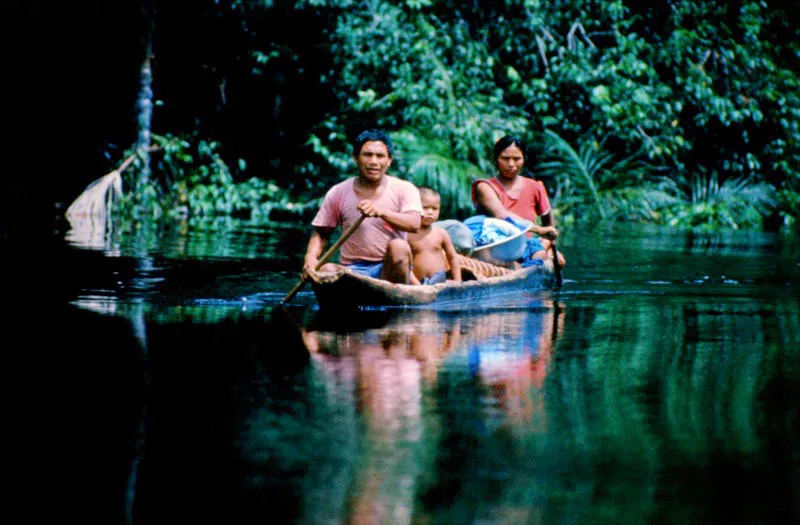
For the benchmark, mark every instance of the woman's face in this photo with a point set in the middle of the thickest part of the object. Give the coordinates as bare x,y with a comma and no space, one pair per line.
510,162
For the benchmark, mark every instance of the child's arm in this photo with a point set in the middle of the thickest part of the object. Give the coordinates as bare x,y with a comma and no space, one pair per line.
450,252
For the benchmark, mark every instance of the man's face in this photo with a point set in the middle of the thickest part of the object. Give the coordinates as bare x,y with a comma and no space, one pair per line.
373,160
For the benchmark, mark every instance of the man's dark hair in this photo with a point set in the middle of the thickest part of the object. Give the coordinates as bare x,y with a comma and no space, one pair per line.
370,135
509,140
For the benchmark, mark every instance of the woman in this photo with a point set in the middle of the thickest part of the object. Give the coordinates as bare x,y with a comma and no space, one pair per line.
509,194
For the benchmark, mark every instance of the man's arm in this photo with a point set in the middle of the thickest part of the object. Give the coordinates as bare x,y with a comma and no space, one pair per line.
408,221
316,244
450,253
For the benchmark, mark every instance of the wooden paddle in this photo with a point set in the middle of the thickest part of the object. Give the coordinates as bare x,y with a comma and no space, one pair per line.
325,256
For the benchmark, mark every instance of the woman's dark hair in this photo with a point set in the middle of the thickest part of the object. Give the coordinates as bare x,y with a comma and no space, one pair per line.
509,140
372,135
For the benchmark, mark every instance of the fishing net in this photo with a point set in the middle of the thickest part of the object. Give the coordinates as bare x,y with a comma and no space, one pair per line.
481,268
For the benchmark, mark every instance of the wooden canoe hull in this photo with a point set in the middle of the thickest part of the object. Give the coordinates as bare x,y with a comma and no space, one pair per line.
345,289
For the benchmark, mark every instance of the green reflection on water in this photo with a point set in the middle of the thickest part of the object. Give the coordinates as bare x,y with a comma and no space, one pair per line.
660,384
638,398
216,237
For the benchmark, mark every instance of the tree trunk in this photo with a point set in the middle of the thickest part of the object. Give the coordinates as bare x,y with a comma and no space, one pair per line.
144,105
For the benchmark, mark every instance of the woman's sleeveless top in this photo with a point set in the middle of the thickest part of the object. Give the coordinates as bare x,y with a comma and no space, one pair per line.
531,203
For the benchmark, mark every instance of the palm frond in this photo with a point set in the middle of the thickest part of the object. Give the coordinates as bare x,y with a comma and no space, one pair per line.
646,203
97,199
708,190
737,202
451,178
429,162
583,165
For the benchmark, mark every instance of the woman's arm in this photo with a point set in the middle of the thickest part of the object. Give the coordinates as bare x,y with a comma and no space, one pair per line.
547,229
490,203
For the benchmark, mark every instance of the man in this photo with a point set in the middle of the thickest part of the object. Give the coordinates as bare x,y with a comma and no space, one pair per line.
378,248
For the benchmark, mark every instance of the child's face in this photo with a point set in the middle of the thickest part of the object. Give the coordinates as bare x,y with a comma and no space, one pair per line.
430,209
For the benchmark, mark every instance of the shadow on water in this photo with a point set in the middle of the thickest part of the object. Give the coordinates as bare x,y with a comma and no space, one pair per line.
204,380
165,419
649,395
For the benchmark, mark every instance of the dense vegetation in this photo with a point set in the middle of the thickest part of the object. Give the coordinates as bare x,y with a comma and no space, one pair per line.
682,112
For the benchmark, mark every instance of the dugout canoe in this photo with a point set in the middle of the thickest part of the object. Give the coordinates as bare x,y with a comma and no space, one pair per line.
343,288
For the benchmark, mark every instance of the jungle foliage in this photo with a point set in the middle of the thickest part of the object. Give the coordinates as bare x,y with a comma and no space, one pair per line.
681,112
194,179
629,109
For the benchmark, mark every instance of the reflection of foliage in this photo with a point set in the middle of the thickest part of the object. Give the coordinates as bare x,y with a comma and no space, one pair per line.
703,376
194,237
190,177
656,389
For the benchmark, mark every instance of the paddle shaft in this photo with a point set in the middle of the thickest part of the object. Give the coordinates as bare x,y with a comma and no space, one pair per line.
325,256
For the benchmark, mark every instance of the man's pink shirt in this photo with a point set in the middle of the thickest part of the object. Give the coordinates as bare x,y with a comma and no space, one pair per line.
368,242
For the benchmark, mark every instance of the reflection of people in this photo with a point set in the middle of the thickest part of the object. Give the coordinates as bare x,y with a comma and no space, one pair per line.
386,369
511,352
430,348
431,244
378,248
422,338
385,376
511,195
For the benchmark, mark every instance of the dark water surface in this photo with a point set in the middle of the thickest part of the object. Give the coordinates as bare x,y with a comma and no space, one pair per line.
660,385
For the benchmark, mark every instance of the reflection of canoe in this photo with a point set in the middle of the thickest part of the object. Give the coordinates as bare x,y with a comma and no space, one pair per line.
345,289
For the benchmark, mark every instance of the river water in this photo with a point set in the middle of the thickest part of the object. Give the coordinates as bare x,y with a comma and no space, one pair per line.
659,385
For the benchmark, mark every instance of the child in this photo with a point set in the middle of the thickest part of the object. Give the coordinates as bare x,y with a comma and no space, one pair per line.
431,244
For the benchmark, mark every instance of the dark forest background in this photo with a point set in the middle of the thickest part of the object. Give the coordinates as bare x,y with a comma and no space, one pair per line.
678,112
70,90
